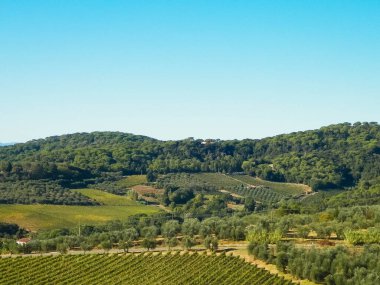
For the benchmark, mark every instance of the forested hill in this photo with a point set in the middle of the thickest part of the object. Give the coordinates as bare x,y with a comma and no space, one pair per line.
334,156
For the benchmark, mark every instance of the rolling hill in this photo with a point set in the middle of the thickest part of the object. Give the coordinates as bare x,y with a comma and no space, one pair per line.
335,156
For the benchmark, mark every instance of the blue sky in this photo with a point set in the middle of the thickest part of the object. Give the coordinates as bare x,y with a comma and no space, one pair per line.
175,69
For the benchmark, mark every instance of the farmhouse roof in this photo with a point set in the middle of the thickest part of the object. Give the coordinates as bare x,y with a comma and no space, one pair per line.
24,240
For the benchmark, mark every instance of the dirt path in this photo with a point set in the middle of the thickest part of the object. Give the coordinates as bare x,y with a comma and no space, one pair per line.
240,249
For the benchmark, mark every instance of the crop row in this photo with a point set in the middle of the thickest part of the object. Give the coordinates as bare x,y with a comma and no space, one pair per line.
171,268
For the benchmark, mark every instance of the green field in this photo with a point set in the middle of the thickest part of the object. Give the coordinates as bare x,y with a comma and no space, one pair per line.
132,180
37,216
171,269
279,187
221,181
106,198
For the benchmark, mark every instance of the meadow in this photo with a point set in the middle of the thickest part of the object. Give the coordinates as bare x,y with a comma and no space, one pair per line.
132,180
41,216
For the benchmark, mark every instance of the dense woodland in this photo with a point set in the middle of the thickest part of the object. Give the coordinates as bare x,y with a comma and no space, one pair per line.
335,156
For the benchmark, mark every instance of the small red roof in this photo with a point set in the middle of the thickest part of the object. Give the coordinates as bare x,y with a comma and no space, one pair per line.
24,240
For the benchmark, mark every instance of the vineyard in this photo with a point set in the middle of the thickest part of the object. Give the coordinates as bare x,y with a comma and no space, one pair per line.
262,191
278,187
136,269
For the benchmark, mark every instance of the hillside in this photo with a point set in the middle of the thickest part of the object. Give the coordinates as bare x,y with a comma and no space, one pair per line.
335,156
43,216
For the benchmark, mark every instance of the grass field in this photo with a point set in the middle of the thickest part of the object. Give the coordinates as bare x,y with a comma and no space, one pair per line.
132,180
288,188
36,217
106,198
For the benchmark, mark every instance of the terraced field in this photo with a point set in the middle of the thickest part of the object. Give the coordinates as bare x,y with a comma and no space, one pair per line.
170,269
278,187
244,185
221,181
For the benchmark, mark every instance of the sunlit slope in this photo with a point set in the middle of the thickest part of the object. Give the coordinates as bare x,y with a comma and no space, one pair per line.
37,216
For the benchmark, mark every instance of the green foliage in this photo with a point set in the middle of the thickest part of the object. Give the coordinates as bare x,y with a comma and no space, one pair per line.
85,246
356,197
125,244
62,248
106,245
211,243
281,260
149,243
259,235
10,230
335,266
181,196
41,192
170,229
188,242
357,237
333,156
190,227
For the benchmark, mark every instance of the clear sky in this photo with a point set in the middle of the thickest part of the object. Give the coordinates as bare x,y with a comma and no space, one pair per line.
175,69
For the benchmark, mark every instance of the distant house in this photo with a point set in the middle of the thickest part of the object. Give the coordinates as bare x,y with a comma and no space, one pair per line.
23,241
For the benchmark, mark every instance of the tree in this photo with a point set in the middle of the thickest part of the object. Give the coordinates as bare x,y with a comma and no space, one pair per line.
249,204
130,234
281,261
151,176
303,232
85,246
106,245
125,244
211,243
149,232
62,247
188,242
5,166
181,196
190,227
13,247
149,243
171,242
170,229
